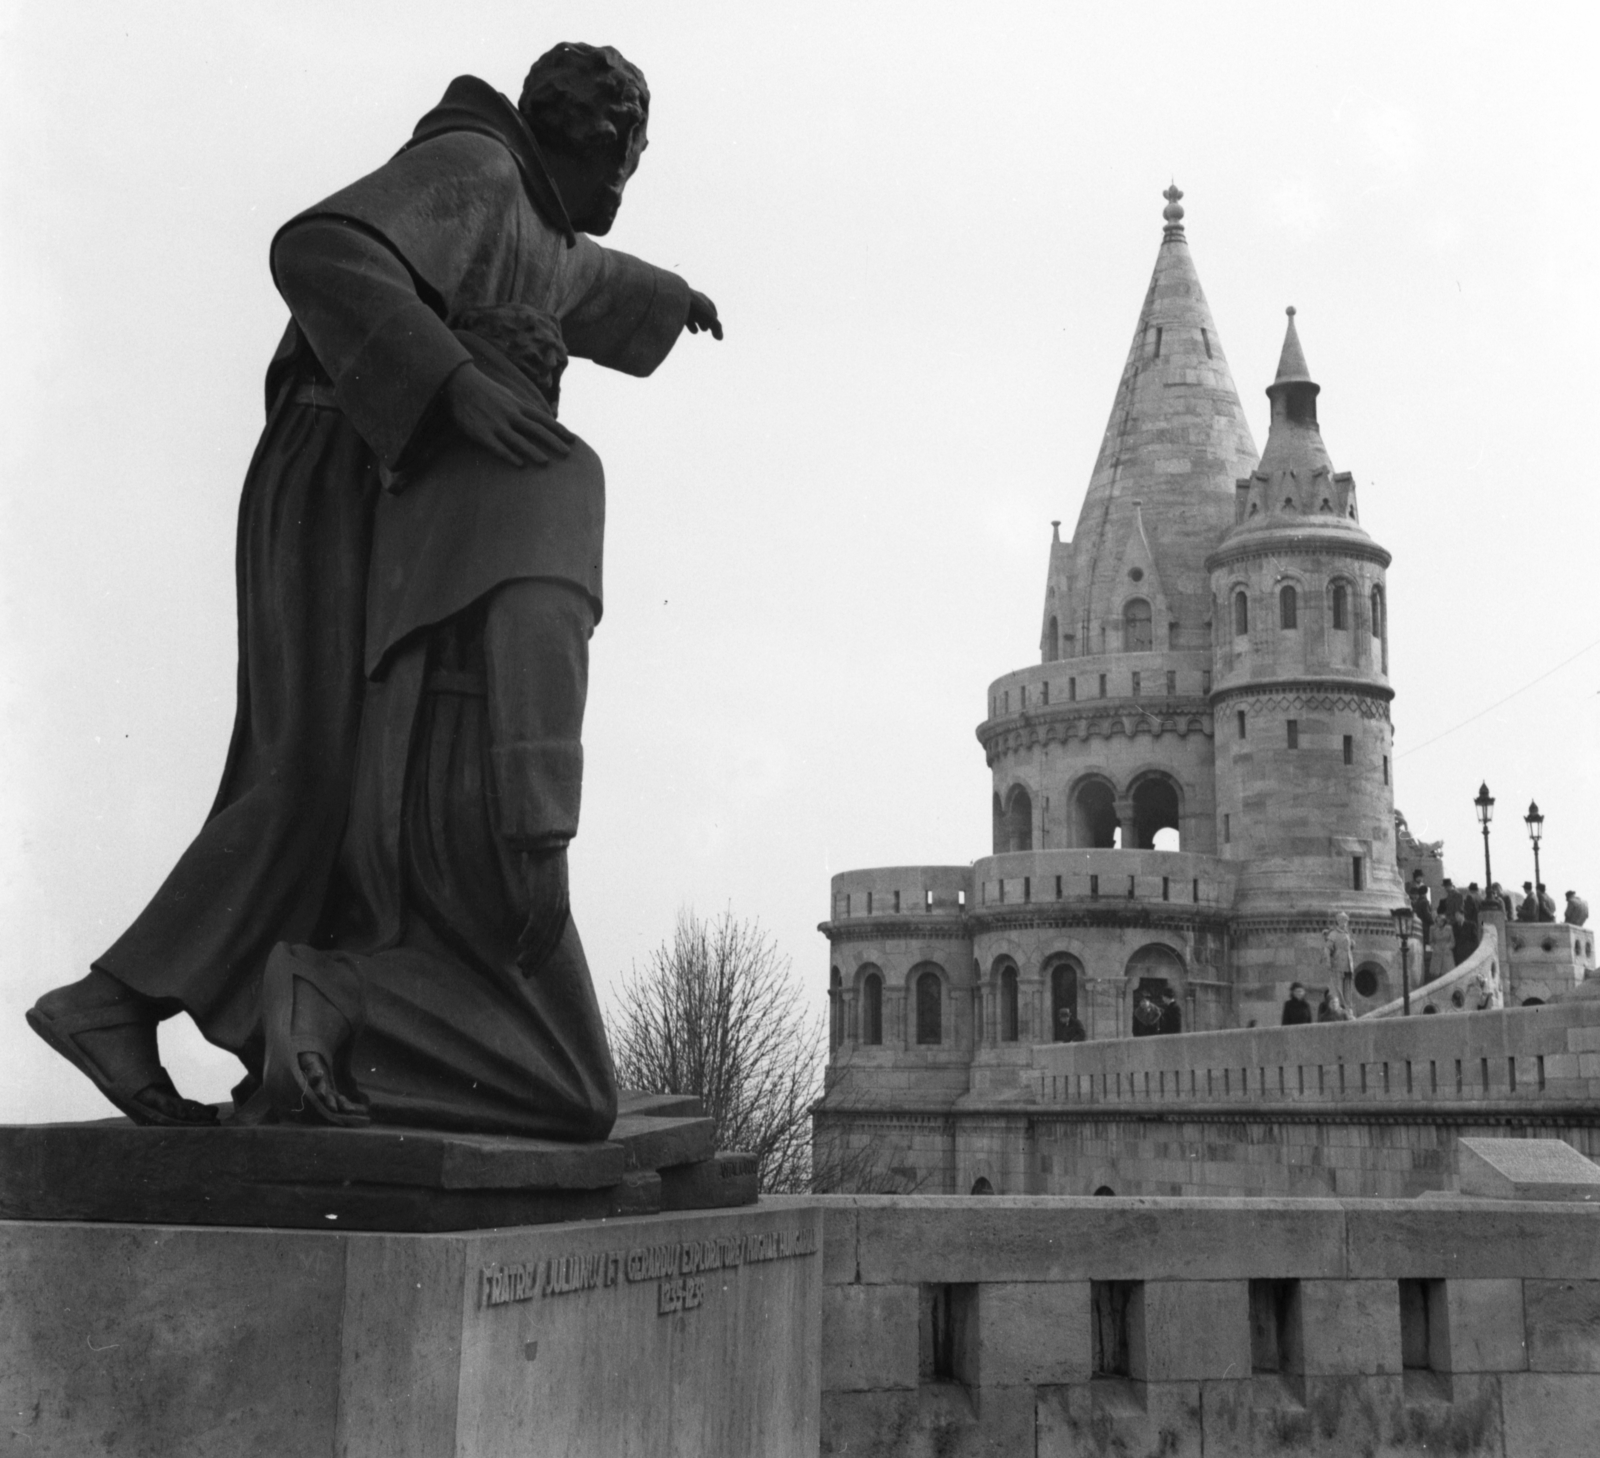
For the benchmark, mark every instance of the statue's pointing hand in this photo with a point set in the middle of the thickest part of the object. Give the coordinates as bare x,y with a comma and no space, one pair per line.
508,427
703,315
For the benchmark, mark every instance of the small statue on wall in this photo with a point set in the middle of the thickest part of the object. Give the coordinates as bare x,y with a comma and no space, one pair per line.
1341,956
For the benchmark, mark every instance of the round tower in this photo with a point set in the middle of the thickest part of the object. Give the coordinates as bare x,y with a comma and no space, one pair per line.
1300,698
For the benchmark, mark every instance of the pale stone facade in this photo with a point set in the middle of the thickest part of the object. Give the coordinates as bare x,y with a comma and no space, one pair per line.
1193,788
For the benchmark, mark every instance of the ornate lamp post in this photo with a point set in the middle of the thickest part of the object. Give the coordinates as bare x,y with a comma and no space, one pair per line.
1485,804
1405,922
1535,823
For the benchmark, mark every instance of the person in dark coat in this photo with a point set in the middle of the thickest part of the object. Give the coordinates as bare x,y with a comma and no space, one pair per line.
1171,1013
1296,1010
1422,907
381,883
1146,1015
1071,1028
1528,909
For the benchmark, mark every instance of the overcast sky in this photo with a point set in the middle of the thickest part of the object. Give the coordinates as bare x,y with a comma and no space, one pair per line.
929,228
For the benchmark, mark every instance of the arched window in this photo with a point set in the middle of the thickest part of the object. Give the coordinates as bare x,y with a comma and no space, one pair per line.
1008,1004
1155,808
1094,816
930,1008
1138,635
1341,607
1241,614
1288,614
1377,612
1052,642
1064,1002
835,1010
872,1009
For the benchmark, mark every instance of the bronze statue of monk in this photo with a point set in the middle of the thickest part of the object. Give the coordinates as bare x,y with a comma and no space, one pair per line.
374,916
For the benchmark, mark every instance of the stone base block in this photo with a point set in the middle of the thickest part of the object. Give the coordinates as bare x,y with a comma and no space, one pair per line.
692,1334
659,1157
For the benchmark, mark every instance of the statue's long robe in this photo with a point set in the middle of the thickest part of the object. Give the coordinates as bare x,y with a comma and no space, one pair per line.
464,217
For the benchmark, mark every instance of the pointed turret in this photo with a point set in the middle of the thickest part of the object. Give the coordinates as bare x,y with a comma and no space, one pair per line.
1176,442
1300,693
1295,485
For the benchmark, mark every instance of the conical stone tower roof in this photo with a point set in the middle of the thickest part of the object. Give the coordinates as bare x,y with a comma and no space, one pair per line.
1295,488
1163,485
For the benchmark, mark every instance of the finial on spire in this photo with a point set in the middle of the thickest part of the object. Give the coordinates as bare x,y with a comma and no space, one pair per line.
1173,212
1292,362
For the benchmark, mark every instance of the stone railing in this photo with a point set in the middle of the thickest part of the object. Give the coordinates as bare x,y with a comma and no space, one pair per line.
1145,878
1039,1326
1471,986
901,891
1530,1055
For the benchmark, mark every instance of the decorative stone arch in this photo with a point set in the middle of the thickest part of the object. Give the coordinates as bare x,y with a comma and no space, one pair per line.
869,999
1065,993
1239,609
1341,593
1006,979
1289,601
982,1186
1092,811
1153,967
1138,624
927,989
1156,795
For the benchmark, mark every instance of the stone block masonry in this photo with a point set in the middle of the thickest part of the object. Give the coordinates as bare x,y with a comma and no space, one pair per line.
695,1334
1049,1326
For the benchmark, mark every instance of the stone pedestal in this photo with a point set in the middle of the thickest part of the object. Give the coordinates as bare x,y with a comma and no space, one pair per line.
688,1334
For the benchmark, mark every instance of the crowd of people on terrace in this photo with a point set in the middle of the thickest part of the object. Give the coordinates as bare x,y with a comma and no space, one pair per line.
1452,928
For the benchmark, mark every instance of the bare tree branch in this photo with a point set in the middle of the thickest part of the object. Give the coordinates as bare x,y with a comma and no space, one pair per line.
716,1013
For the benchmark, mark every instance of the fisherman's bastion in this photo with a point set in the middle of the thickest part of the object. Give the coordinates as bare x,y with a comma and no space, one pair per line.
1193,794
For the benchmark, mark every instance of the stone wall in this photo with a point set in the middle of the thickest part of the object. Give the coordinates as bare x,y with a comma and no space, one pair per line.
1349,1109
1031,1327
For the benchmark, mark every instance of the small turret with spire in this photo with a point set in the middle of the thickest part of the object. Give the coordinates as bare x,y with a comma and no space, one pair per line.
1295,479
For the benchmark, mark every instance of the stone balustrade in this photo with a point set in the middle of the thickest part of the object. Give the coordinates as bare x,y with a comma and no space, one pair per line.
902,891
1145,878
1106,878
1053,1326
1164,677
1531,1055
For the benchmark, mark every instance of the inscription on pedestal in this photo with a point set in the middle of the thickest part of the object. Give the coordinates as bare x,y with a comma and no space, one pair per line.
677,1266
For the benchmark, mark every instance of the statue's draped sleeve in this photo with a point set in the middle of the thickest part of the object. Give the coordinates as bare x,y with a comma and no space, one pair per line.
372,273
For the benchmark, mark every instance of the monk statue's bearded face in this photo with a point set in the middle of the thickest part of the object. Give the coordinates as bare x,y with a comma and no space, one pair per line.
592,182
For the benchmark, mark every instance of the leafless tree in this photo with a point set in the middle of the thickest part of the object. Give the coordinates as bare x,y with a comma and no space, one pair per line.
716,1013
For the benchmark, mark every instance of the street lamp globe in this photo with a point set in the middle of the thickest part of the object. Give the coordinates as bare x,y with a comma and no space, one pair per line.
1534,821
1485,804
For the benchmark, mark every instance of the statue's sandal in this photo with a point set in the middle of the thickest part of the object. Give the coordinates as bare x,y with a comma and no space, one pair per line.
61,1029
324,1023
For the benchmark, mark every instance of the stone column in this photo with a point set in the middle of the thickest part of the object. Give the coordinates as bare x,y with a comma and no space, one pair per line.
1130,840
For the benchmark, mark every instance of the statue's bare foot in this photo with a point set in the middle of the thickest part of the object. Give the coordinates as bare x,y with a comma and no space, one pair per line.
324,1090
108,1032
311,1012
